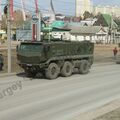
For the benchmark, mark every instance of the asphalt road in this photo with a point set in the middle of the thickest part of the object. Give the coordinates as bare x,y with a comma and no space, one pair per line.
22,98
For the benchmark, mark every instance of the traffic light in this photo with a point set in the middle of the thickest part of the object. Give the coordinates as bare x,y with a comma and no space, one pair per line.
5,9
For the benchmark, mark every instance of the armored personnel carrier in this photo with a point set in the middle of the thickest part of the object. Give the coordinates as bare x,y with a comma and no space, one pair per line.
55,58
1,62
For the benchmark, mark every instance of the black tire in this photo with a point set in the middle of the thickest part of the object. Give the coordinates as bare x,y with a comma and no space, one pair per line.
52,71
67,69
84,67
1,66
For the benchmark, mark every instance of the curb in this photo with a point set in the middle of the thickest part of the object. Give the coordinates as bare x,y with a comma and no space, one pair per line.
104,63
7,74
99,111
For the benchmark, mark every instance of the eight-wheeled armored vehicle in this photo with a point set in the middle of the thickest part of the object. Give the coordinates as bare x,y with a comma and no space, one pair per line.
55,58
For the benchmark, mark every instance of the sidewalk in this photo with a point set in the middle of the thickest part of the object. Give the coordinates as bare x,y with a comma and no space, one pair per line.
110,111
7,74
113,115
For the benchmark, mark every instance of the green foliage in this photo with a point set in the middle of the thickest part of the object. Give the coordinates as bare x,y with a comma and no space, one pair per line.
87,15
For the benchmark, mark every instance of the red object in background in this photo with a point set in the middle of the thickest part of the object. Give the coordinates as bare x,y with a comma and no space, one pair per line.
11,9
36,5
34,32
115,51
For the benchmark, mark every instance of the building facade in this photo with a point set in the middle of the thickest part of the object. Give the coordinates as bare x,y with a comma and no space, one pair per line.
112,10
87,5
82,6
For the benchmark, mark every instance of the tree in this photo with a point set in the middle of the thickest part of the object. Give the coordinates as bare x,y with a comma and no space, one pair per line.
87,15
18,18
4,23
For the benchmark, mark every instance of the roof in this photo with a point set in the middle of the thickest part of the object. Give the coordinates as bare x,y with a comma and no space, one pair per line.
89,21
87,30
55,26
105,20
58,24
71,25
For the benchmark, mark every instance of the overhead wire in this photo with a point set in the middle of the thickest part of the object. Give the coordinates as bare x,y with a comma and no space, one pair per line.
45,9
62,10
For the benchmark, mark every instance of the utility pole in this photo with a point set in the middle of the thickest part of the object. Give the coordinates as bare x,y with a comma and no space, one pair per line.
9,36
39,27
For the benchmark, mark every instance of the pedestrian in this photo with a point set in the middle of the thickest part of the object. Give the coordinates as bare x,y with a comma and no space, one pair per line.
115,51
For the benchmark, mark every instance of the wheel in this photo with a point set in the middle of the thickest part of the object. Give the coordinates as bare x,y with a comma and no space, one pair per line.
67,69
1,66
84,67
52,71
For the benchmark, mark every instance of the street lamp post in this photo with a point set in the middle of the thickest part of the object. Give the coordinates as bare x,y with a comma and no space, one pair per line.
9,36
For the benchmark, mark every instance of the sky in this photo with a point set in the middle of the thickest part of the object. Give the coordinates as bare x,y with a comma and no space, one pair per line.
68,6
107,2
62,6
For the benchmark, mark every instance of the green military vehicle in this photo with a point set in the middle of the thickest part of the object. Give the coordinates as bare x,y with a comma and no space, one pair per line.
1,62
55,58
